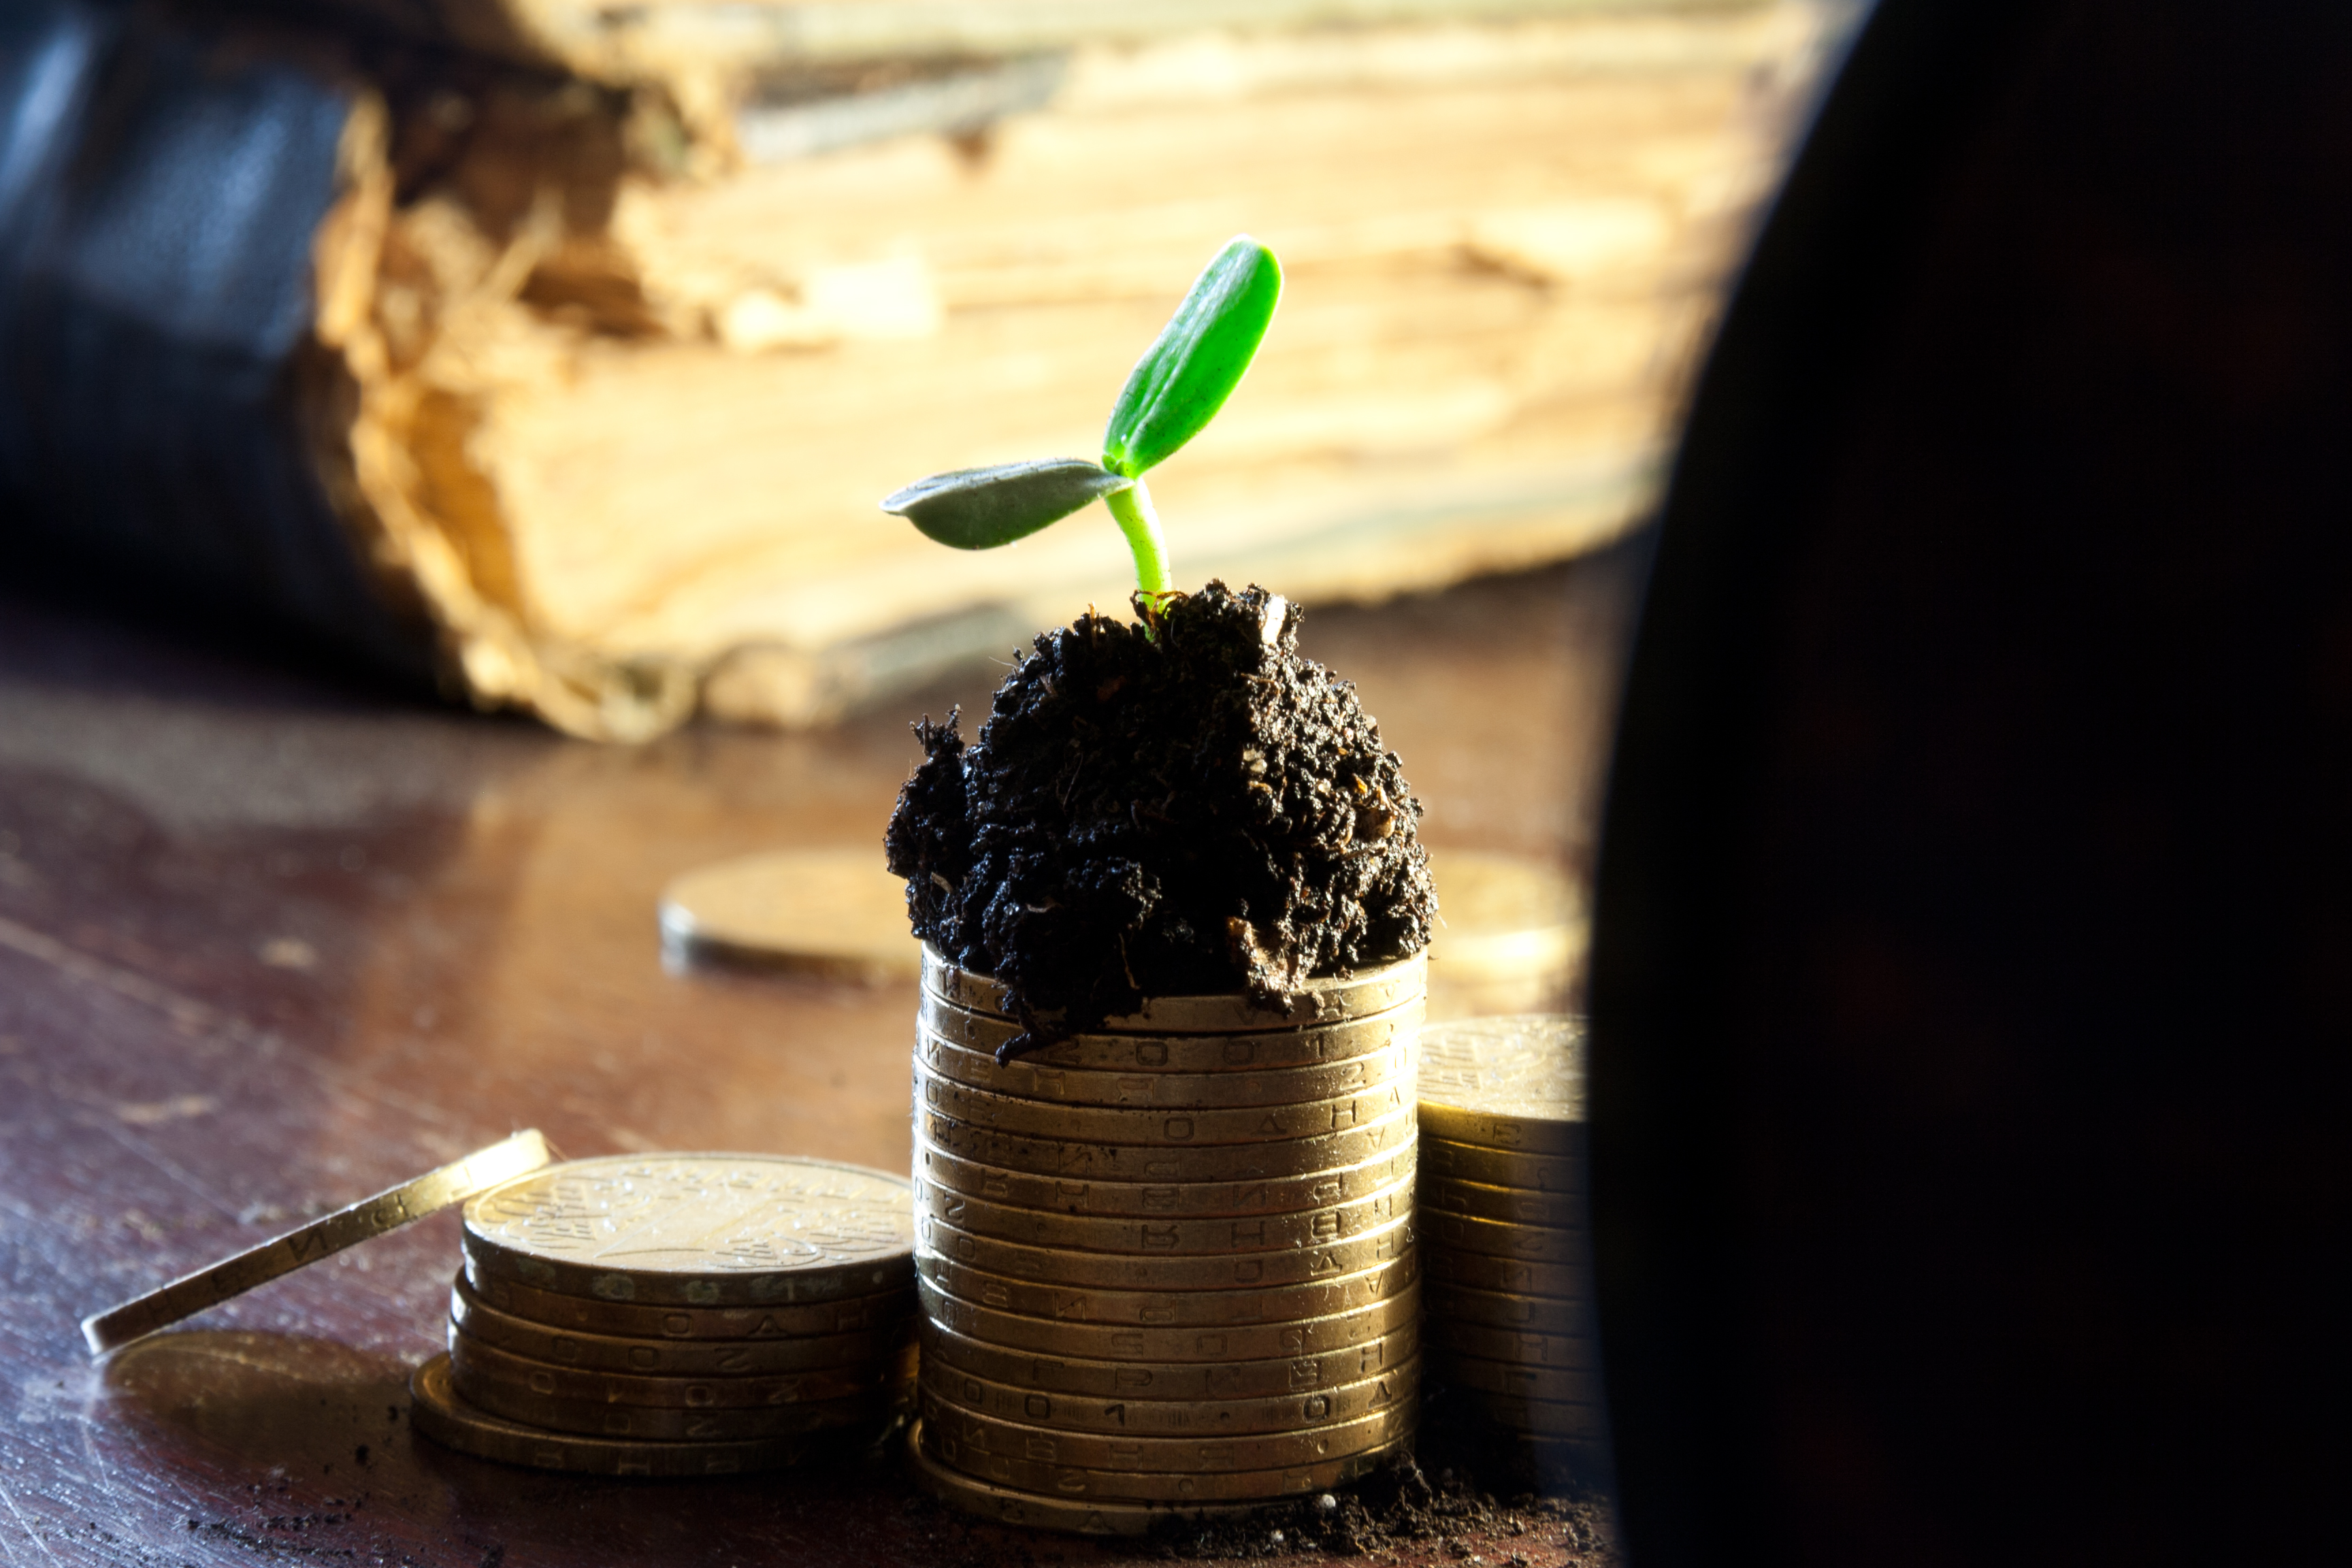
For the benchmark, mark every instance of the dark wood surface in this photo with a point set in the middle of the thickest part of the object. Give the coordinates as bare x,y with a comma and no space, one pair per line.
270,942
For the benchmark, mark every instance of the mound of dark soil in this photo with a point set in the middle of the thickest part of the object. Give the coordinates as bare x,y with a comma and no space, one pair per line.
1183,808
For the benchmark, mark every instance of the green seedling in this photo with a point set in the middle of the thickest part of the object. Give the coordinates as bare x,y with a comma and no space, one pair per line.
1175,389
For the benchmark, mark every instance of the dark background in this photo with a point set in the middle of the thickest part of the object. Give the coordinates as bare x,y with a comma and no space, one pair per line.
1973,965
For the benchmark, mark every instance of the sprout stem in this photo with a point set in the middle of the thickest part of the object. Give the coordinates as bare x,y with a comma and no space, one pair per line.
1132,506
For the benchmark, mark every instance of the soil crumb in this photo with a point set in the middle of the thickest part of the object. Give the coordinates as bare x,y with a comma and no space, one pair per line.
1400,1506
1387,1514
1178,805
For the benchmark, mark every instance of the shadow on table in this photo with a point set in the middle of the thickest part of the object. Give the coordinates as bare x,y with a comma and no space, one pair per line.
289,1402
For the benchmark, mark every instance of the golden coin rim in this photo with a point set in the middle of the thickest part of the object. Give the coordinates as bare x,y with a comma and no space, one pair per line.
1187,1236
1506,1238
577,1418
1503,1134
1481,1200
1133,1127
810,1288
1237,1452
1297,1045
1024,1189
1483,1271
1180,1164
1549,1174
474,1363
436,1411
502,1331
1328,1000
1100,1303
1254,1379
1225,1485
1029,1511
703,1323
486,1170
1098,1342
1090,1089
691,932
1121,1271
1340,1399
682,1286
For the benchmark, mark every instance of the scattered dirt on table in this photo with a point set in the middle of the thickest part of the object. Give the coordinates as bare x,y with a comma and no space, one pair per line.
1389,1513
1403,1506
1180,805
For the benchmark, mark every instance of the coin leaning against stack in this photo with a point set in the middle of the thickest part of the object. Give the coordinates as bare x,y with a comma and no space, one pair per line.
1167,1267
1505,1236
678,1315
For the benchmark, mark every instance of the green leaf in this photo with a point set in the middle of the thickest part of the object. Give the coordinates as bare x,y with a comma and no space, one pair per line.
980,509
1185,377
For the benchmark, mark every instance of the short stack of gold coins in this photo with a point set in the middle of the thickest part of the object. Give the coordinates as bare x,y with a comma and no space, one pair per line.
1167,1267
1506,1237
677,1314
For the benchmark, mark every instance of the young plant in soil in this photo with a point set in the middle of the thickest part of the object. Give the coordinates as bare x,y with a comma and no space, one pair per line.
1177,805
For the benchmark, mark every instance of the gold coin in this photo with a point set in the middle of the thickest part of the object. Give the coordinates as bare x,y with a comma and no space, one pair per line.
1028,1078
1043,1476
1496,1168
1084,1517
1115,1341
1078,1159
437,1412
593,1418
627,1320
834,913
1519,1346
370,1217
1534,1314
1513,1205
475,1362
1156,1127
1277,1050
1214,1382
1569,1385
1117,1272
1501,1239
1512,1083
1323,1000
968,1441
1177,1417
1584,1420
1508,1276
1166,1235
1283,1194
665,1358
697,1230
1172,1308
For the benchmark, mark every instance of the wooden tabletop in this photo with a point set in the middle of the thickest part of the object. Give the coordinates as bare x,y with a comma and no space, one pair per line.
270,941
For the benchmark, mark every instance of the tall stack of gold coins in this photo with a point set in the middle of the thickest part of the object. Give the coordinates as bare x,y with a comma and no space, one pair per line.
677,1314
1167,1267
1508,1244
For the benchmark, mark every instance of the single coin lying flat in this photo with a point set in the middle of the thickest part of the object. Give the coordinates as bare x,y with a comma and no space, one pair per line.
834,913
1515,1084
697,1230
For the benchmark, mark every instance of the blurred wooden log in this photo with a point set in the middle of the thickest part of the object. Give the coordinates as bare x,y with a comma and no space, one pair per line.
611,403
654,446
